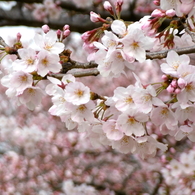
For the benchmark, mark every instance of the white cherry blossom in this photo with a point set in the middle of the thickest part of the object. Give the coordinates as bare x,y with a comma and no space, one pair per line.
28,61
49,42
77,93
131,122
48,62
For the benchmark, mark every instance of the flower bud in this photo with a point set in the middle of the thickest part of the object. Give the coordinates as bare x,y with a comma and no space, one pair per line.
45,28
158,13
181,83
119,2
59,32
66,33
107,6
177,90
164,77
156,2
66,27
94,17
174,83
19,36
170,89
170,13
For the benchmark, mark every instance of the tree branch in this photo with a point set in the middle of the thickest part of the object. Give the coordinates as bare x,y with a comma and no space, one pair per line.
77,18
163,54
94,72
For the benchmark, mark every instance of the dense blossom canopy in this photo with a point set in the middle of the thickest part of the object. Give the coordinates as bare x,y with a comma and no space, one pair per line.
108,111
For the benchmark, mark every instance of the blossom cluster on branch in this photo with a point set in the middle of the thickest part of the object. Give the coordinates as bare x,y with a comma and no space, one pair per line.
143,119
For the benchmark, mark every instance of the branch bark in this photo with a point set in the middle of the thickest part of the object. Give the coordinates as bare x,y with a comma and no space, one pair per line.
94,72
77,18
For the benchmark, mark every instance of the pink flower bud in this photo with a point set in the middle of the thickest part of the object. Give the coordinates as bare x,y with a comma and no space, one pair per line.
174,83
85,36
181,83
118,5
172,150
107,6
170,89
170,13
45,28
177,91
19,36
94,17
66,27
158,13
147,24
59,33
119,2
66,33
156,2
164,77
163,159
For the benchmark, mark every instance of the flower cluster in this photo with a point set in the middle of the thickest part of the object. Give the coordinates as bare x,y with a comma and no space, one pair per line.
48,10
180,171
33,62
124,120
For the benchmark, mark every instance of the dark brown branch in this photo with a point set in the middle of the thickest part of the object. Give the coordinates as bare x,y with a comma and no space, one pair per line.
160,180
77,18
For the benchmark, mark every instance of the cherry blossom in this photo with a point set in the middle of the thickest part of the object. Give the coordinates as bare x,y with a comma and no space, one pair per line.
128,128
49,42
47,62
77,93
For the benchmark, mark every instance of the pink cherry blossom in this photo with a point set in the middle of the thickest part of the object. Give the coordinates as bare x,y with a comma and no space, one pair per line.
111,130
28,61
131,122
49,42
31,97
77,93
48,62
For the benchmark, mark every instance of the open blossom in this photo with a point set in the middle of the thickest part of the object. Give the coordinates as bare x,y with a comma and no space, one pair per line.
83,112
186,6
188,93
175,168
56,84
136,43
111,130
123,98
60,105
77,93
145,99
19,81
164,116
174,61
125,145
131,122
147,146
112,65
28,61
48,62
49,42
31,97
186,130
184,114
